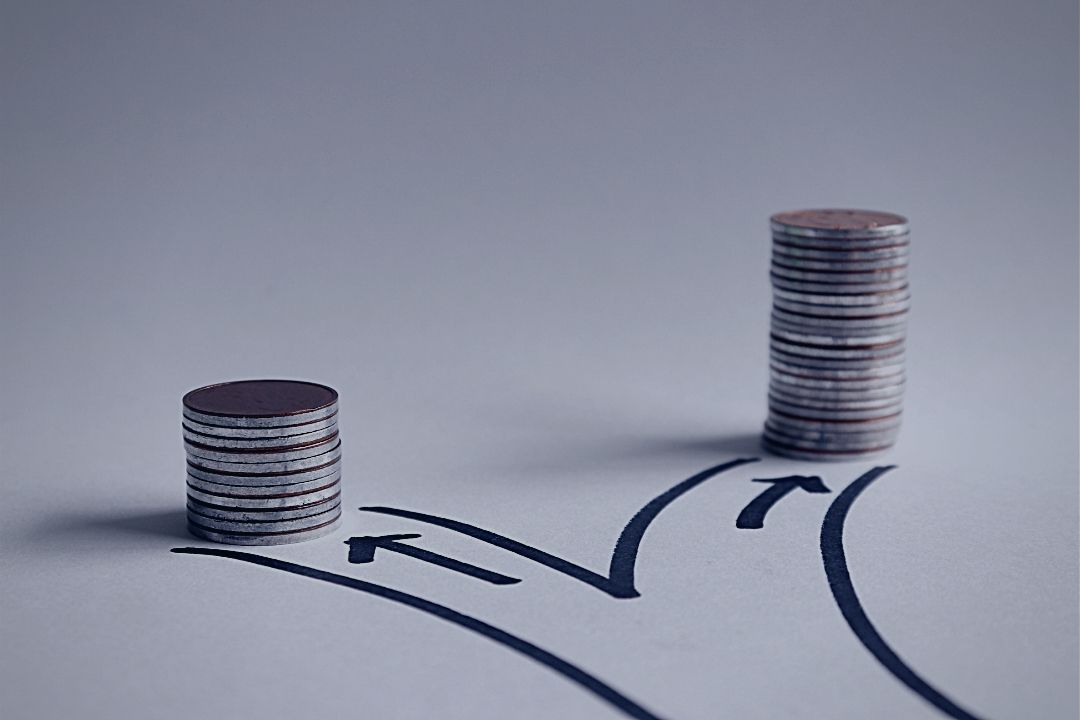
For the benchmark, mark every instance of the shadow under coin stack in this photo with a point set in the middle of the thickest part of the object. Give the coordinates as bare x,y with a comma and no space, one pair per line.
840,302
263,462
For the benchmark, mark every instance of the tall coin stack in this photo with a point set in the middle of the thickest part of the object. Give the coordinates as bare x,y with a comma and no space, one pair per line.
263,462
840,303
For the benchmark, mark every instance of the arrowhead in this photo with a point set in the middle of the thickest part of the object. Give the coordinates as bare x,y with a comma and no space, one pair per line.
362,549
809,483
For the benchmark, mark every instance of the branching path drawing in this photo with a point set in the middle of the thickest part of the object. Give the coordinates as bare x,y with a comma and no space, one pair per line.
619,582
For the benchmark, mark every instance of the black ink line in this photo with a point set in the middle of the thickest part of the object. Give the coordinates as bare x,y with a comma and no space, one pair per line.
836,570
569,671
752,516
620,580
362,550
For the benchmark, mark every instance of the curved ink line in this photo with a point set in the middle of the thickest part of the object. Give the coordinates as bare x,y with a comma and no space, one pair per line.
569,671
624,557
620,583
836,570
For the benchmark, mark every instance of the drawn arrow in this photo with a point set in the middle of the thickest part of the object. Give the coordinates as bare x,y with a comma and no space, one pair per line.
619,582
752,516
362,550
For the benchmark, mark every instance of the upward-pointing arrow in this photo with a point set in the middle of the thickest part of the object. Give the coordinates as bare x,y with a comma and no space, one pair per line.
752,516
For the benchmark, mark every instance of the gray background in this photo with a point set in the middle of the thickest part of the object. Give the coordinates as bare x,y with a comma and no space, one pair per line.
528,243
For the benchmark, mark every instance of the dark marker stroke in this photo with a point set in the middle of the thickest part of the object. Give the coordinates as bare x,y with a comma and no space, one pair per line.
836,570
569,671
752,516
619,582
362,550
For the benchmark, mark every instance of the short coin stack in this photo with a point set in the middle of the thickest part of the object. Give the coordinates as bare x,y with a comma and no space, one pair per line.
263,461
840,302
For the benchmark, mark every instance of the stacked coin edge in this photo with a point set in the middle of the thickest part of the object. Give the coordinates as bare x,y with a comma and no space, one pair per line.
838,332
262,480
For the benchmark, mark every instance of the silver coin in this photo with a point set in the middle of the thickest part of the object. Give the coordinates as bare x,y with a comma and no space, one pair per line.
810,405
783,332
843,289
819,455
256,480
201,511
328,475
897,253
842,264
843,334
795,423
865,439
832,381
228,421
822,414
321,492
261,455
872,300
843,444
787,389
262,527
837,352
841,311
839,324
839,244
839,277
842,374
261,433
282,538
823,367
283,442
229,468
230,477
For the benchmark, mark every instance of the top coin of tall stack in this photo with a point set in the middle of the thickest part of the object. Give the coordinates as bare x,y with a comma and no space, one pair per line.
263,461
839,320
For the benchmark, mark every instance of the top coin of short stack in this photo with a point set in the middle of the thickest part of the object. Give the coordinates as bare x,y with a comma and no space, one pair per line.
263,461
837,342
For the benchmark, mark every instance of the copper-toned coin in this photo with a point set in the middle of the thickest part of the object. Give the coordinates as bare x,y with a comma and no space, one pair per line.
839,223
260,403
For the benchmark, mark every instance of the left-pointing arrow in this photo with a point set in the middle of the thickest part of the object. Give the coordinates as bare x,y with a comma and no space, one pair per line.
362,550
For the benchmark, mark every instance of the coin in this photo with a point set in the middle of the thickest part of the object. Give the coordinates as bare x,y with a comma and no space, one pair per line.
790,390
251,491
842,263
285,442
263,526
260,403
839,223
242,433
266,468
274,538
811,353
203,510
264,500
796,453
840,277
815,309
818,336
261,455
785,251
264,479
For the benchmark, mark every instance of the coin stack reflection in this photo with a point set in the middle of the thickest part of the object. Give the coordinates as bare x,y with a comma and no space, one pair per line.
263,462
840,303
